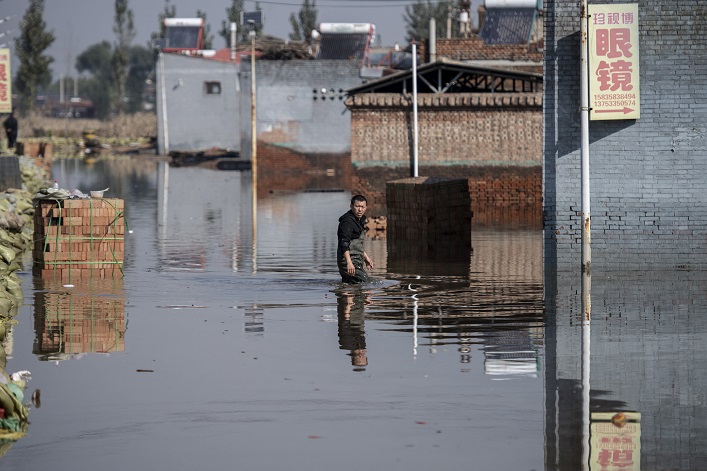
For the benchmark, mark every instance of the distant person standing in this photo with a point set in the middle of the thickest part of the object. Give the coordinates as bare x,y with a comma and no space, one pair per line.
350,256
10,125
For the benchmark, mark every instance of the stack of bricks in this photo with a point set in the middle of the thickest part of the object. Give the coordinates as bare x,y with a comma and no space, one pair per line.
89,318
429,214
79,238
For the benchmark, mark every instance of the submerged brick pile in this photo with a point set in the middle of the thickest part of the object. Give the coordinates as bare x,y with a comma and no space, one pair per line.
79,237
429,212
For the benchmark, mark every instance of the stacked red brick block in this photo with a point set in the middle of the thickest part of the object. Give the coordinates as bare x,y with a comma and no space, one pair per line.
429,226
79,237
428,211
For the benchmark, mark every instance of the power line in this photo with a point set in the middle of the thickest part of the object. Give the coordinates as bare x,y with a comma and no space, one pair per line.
370,3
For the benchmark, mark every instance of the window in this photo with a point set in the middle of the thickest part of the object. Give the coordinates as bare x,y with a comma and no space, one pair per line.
212,88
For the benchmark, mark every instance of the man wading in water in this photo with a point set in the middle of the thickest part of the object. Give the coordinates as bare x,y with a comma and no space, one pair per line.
350,256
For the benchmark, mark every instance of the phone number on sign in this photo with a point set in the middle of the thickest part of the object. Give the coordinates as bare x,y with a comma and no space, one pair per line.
614,96
599,104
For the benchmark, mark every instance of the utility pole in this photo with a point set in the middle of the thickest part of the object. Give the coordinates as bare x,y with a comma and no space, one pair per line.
586,243
584,115
414,109
253,141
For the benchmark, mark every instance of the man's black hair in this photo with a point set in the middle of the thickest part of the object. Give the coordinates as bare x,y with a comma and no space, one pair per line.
358,199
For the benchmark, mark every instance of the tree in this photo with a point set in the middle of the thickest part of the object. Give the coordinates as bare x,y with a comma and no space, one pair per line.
33,71
233,15
97,63
142,63
417,18
169,11
125,32
208,37
305,22
96,60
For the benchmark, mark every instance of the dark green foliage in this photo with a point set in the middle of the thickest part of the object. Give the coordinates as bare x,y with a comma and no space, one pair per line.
97,62
233,15
124,32
304,22
170,11
33,72
142,63
208,37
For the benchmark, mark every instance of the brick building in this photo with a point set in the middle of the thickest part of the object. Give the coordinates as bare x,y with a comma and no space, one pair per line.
480,122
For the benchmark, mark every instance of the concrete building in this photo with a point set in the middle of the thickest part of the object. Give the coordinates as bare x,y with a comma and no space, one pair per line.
300,105
204,104
204,97
648,184
198,104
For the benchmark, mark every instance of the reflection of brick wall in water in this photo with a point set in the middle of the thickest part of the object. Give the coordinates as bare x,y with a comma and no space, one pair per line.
89,318
283,169
499,195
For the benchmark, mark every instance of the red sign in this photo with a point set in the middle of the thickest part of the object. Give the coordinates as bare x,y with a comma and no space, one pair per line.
5,82
613,62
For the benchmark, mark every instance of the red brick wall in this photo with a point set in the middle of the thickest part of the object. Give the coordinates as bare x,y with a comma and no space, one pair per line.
500,195
456,129
474,48
282,169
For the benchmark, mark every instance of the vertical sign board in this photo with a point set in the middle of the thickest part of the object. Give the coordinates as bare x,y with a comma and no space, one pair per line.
614,91
5,82
615,446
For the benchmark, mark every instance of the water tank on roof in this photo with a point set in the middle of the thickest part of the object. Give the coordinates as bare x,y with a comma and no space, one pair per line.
492,4
346,28
183,33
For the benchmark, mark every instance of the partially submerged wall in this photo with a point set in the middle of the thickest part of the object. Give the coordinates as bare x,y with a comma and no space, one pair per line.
500,195
648,177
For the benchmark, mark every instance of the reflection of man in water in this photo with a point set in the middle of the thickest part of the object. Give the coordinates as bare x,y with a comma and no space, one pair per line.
350,256
350,308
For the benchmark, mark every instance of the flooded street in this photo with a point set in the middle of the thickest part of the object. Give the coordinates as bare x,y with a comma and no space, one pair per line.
226,347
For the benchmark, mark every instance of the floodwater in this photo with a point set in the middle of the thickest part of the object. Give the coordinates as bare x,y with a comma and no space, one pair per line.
225,347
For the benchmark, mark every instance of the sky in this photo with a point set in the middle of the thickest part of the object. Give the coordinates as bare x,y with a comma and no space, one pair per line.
77,24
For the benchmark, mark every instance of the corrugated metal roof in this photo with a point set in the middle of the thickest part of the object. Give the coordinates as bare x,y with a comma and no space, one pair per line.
447,76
